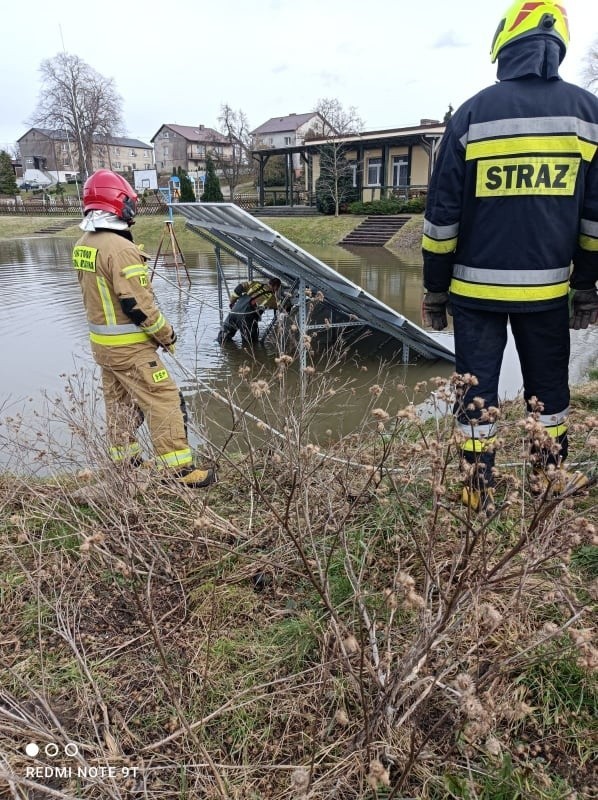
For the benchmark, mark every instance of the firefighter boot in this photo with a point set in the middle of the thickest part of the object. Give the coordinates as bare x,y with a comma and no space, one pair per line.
478,481
551,481
195,478
479,499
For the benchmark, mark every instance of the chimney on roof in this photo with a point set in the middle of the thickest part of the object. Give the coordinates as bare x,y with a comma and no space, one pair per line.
429,122
201,127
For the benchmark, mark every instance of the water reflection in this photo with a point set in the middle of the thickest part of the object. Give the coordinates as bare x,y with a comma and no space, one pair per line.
44,332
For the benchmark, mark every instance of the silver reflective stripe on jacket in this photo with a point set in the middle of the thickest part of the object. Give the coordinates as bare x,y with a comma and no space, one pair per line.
530,126
114,330
511,277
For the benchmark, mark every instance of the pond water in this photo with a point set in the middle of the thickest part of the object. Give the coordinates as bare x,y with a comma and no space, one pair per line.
44,333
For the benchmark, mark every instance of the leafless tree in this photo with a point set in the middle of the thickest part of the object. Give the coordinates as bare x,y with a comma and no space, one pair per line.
590,72
335,122
235,164
77,99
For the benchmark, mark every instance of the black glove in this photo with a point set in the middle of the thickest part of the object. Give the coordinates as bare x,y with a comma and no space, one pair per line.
434,310
584,309
171,344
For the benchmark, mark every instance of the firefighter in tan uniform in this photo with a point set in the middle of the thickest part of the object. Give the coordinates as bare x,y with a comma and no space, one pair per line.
126,328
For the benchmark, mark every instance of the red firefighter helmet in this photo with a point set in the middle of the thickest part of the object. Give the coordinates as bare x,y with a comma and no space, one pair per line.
107,191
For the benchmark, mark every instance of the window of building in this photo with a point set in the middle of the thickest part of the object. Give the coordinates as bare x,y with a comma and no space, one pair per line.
29,161
353,168
65,147
400,174
287,140
117,165
133,153
374,171
165,152
66,162
165,134
102,164
133,166
200,149
147,166
117,150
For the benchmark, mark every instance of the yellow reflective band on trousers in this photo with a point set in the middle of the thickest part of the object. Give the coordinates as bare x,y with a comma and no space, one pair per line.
477,445
522,294
118,339
438,246
588,243
555,431
177,458
119,453
532,145
107,305
527,175
84,258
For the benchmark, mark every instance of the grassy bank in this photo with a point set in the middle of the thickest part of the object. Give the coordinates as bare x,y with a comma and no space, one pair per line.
305,231
325,622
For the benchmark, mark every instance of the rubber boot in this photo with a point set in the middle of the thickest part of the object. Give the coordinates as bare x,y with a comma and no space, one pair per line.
555,482
479,500
478,488
195,478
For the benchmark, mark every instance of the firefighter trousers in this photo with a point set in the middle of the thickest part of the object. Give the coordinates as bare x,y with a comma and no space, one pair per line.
144,390
543,347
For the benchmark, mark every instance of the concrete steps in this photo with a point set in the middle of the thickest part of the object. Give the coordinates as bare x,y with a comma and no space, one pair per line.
59,225
285,211
375,231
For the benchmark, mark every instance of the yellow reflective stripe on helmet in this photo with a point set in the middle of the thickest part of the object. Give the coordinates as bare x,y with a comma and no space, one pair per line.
134,270
554,431
177,458
437,246
588,243
477,445
159,323
118,340
518,145
522,294
109,313
530,18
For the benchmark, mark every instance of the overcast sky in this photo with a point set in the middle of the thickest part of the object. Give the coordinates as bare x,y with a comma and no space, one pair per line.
178,61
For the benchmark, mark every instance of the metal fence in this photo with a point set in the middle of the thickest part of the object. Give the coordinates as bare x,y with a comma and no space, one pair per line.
66,207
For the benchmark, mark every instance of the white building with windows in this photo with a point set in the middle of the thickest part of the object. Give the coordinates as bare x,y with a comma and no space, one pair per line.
396,162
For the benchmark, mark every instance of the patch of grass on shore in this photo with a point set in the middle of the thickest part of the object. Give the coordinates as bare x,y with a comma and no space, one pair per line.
325,621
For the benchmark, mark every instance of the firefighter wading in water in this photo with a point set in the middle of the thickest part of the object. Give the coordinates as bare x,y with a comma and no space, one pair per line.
126,328
512,203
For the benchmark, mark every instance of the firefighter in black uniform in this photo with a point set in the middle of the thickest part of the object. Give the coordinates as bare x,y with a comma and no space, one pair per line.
512,203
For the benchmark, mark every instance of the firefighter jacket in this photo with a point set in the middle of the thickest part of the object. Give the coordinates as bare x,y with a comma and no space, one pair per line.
261,294
513,199
118,298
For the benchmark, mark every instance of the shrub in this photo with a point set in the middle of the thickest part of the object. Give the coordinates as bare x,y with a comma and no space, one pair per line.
388,205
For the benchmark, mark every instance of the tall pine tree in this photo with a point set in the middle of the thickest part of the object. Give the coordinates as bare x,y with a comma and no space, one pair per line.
212,192
8,182
187,193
